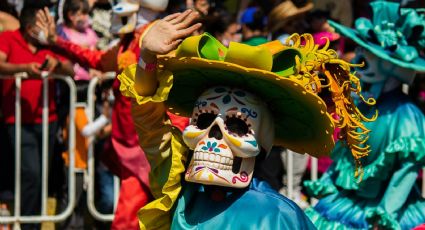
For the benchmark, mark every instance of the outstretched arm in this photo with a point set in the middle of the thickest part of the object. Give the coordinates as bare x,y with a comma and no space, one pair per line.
96,59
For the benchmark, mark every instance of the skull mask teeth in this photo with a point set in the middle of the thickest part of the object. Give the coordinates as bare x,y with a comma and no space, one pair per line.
225,136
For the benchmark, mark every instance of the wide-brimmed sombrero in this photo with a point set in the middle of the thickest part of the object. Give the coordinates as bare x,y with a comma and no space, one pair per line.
200,62
394,34
287,77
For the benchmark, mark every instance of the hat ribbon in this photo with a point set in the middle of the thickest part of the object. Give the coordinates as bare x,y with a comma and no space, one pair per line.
267,57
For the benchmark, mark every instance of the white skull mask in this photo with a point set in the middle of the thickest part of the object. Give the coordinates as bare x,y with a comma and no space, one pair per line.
379,75
228,129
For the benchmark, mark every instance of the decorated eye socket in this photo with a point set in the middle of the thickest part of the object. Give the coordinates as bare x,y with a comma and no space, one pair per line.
204,120
237,125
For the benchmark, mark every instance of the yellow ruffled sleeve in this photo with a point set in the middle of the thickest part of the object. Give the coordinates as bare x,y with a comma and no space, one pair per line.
163,146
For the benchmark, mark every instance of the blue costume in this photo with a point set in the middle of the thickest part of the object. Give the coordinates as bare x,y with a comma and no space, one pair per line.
388,192
386,195
243,209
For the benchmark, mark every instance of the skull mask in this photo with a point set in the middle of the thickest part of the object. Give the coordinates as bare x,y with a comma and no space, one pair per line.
228,129
378,75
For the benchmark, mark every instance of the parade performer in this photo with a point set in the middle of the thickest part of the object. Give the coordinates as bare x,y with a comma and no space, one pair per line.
243,99
124,157
387,196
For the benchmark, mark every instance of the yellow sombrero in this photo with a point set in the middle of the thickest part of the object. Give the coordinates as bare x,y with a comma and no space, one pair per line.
200,62
283,76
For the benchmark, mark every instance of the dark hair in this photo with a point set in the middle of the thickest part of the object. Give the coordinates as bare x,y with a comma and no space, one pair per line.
318,14
6,7
218,23
82,87
258,22
73,6
27,17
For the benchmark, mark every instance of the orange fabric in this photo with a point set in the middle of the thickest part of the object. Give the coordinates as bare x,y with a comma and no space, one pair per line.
81,142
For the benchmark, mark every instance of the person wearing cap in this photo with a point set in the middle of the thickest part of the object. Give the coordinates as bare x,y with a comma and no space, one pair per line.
387,196
253,22
242,100
123,155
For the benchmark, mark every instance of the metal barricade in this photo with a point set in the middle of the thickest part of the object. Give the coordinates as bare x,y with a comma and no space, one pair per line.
290,175
17,219
90,161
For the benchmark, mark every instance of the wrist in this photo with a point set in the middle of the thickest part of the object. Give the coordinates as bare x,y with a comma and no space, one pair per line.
147,56
59,65
52,39
23,67
148,67
147,60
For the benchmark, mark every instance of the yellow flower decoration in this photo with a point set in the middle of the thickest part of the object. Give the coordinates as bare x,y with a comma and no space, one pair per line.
341,83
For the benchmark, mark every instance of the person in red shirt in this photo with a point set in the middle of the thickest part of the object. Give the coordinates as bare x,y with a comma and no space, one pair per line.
19,52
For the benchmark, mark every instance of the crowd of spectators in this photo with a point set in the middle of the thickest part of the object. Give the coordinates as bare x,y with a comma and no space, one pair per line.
87,23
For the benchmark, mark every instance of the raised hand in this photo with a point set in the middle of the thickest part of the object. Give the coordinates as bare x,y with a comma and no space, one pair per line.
166,34
44,24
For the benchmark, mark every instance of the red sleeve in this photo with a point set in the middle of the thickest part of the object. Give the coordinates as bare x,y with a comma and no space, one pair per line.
60,57
5,42
83,56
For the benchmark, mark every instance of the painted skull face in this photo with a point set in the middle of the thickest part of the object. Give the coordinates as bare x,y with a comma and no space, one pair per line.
228,129
379,75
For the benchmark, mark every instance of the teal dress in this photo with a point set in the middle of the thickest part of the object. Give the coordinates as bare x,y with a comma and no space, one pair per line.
388,193
256,207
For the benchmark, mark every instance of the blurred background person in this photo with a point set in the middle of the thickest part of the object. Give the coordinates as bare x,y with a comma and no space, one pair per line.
253,21
202,6
19,52
224,27
8,22
76,28
288,18
8,17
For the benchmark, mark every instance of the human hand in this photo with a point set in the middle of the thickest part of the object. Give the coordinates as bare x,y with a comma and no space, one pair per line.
52,63
95,73
166,34
44,24
32,69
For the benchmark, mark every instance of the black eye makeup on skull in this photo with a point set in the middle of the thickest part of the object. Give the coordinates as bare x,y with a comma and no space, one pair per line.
204,120
237,126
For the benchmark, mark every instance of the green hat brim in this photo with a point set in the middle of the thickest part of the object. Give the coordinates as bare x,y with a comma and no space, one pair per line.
418,64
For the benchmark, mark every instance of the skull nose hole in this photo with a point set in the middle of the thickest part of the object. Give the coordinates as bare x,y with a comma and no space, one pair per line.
215,132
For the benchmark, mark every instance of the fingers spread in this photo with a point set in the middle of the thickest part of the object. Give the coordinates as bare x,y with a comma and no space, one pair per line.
188,31
188,20
181,17
171,17
48,16
43,15
174,44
